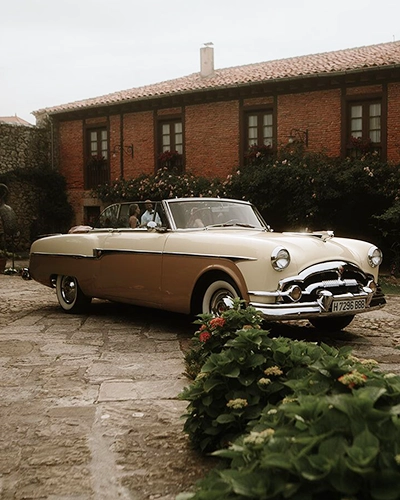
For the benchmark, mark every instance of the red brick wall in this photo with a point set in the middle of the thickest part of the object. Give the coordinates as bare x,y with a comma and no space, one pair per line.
258,101
368,89
139,128
115,139
212,134
393,123
317,112
212,138
71,153
138,131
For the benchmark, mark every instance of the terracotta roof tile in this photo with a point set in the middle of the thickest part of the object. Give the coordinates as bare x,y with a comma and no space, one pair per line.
14,120
385,54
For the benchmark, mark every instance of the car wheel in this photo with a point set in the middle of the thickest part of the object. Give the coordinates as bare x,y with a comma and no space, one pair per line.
70,295
218,297
332,324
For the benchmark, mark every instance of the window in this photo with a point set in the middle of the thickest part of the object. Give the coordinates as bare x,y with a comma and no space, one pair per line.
97,170
170,144
365,128
259,134
259,127
98,143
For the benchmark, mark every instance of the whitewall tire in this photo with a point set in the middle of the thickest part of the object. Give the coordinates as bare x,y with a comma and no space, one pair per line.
70,296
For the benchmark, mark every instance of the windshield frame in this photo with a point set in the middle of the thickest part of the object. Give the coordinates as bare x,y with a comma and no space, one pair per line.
214,213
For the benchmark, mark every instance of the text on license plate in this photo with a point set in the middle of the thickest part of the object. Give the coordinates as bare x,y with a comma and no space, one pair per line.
348,305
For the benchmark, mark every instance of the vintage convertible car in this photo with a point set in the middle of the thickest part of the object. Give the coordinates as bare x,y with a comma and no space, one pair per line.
193,255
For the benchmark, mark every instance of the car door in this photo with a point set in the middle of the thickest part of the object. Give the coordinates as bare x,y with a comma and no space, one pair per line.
131,266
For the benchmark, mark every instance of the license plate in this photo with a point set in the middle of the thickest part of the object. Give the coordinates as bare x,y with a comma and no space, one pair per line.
348,305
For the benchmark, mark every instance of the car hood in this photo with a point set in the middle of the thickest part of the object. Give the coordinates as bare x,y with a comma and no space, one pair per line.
305,249
308,249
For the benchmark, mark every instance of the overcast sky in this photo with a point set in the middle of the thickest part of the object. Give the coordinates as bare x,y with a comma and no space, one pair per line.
57,51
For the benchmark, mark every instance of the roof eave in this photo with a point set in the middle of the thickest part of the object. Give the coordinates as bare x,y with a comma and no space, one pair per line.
332,74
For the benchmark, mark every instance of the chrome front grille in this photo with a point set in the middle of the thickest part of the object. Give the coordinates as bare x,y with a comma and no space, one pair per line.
335,277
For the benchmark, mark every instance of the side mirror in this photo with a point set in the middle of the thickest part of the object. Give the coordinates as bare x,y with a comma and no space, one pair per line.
151,225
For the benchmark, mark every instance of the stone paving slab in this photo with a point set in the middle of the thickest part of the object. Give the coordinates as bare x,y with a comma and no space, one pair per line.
89,404
123,390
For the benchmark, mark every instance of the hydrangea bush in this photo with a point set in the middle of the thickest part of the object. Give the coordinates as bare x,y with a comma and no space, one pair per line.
289,419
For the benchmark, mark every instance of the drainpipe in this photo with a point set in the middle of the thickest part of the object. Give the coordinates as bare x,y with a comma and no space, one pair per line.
51,143
121,141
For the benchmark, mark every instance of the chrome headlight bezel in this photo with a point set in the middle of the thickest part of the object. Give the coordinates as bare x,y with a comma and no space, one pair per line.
375,256
280,258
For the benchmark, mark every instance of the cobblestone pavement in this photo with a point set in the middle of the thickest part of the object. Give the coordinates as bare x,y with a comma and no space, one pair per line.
89,406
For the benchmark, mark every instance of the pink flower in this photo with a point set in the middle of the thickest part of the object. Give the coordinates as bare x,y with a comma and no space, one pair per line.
217,322
204,336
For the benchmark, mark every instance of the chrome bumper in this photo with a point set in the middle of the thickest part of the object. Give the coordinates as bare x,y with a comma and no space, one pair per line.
319,307
312,292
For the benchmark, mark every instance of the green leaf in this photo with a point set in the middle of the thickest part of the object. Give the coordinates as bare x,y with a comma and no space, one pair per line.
371,393
231,371
255,360
385,485
247,379
344,480
364,450
394,410
247,484
211,383
276,460
207,400
226,418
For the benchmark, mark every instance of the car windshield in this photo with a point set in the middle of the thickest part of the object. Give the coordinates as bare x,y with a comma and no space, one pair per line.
214,213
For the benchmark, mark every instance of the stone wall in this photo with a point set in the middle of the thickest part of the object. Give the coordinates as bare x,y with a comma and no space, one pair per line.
23,147
22,199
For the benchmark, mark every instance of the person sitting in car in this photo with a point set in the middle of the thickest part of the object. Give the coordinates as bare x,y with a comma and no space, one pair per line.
149,215
195,220
134,213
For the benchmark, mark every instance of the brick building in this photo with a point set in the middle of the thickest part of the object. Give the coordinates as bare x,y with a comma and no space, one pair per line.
210,118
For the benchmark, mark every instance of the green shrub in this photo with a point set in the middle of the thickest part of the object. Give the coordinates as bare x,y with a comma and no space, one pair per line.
345,445
215,332
290,419
244,369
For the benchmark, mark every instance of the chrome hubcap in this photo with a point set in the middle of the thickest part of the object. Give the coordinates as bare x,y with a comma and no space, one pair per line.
68,289
221,301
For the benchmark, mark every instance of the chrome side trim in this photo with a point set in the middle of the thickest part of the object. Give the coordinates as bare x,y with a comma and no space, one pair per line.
211,256
74,256
102,251
98,252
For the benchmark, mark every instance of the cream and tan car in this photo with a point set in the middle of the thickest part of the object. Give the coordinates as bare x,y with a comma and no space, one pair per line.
193,255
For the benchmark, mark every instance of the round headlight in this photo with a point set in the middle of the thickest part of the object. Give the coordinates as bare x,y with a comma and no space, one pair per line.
280,259
375,257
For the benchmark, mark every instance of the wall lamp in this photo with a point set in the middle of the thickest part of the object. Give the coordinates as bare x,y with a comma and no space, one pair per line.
126,149
297,135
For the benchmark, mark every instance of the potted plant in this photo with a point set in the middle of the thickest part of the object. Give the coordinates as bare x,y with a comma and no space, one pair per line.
170,160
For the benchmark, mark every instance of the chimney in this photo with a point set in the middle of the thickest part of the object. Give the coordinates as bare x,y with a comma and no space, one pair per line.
207,60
